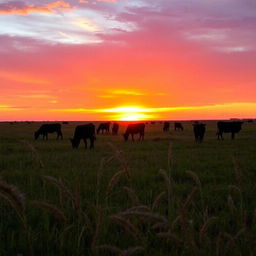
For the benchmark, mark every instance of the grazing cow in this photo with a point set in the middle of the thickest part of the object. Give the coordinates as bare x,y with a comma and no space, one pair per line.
84,132
49,128
134,129
115,128
178,126
228,127
199,131
166,127
103,127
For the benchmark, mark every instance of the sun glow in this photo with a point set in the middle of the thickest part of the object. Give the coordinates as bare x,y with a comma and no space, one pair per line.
132,113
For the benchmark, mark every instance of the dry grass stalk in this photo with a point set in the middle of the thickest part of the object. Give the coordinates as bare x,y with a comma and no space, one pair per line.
231,205
195,178
161,226
80,236
131,251
13,194
132,195
62,188
219,244
88,222
205,226
119,156
114,180
232,239
238,190
157,201
64,233
128,226
99,176
168,184
146,215
189,198
111,248
34,152
176,221
139,208
77,195
254,217
14,197
170,156
56,212
98,227
170,236
100,170
235,188
238,172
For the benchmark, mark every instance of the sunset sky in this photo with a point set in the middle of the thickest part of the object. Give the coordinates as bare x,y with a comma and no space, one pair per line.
127,59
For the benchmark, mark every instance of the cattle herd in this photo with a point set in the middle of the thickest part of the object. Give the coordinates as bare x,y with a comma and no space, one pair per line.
87,131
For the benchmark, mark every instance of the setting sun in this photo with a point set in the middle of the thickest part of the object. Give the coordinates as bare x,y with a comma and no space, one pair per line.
131,113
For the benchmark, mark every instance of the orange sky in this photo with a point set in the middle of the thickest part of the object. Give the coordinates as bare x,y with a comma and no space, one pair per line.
101,60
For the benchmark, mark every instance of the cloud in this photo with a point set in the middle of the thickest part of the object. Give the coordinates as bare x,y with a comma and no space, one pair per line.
11,108
18,7
22,78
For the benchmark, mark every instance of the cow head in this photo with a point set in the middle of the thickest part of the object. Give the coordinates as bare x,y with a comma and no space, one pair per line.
74,143
36,135
126,135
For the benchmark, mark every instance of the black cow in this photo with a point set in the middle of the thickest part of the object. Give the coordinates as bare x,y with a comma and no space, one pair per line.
103,127
134,129
166,127
199,131
228,127
115,128
84,132
49,128
178,126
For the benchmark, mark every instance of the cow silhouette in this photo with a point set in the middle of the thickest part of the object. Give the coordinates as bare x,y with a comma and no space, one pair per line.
104,128
228,127
115,128
84,132
178,126
132,129
166,127
199,131
48,128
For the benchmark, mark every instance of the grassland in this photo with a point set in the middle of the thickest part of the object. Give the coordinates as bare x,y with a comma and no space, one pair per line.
165,196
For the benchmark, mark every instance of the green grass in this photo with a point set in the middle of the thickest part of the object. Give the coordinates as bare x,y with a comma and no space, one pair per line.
213,216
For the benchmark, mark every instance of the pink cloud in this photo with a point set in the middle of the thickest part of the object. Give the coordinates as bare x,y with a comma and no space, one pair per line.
17,7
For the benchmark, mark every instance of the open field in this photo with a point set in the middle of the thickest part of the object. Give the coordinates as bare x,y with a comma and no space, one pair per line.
164,196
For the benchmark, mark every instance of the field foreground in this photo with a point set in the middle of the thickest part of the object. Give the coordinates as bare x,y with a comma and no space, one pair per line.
164,196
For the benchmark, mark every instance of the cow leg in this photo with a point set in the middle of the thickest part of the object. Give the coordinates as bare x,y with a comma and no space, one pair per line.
232,135
91,142
132,137
85,143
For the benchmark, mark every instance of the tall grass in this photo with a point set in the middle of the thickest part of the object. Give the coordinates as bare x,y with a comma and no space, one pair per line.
125,206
